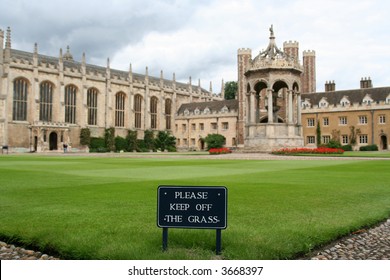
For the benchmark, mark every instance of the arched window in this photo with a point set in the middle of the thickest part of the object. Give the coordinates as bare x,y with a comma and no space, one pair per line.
92,95
120,109
153,112
168,113
46,102
19,112
70,104
137,111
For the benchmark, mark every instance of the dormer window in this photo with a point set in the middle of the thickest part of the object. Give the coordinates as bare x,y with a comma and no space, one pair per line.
206,111
197,111
345,101
225,109
323,103
388,99
186,112
305,104
367,100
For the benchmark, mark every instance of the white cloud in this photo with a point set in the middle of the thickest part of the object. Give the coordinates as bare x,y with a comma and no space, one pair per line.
201,38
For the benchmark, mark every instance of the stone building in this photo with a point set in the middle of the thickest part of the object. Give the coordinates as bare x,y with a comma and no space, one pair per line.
269,94
45,101
194,121
356,117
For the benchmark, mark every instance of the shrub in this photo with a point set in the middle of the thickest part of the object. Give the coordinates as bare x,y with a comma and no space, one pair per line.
164,140
214,141
96,142
131,140
149,140
334,144
120,144
109,138
347,148
369,148
85,136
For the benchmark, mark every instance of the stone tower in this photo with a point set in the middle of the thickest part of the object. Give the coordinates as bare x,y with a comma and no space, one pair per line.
269,93
309,72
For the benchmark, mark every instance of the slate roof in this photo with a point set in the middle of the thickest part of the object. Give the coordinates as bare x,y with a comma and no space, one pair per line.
214,106
44,59
354,95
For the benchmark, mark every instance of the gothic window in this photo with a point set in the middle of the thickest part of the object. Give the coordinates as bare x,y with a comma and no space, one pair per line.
153,112
168,112
92,95
120,109
46,102
137,111
70,104
19,112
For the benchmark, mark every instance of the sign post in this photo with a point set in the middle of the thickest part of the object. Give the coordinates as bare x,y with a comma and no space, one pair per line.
198,207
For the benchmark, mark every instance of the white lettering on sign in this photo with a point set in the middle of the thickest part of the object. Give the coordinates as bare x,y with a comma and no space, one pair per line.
191,195
179,206
203,207
203,219
173,218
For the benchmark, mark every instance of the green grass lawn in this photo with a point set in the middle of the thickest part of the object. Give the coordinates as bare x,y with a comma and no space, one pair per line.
105,208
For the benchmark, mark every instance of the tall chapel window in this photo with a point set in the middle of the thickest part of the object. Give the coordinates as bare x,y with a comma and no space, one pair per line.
120,109
168,112
137,111
92,95
70,104
46,102
153,112
19,112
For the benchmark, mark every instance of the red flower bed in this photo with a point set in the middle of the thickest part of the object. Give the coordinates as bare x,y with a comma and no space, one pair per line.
297,151
218,151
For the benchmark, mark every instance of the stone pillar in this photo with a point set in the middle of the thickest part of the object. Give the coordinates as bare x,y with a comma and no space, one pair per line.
252,108
290,106
299,117
270,106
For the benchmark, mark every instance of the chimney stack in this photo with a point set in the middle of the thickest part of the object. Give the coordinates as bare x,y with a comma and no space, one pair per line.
365,83
330,86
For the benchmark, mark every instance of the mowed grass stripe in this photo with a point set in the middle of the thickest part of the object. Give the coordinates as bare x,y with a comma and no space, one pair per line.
277,209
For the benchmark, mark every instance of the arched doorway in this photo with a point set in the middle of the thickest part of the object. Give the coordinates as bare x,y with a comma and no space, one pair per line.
383,142
53,141
201,144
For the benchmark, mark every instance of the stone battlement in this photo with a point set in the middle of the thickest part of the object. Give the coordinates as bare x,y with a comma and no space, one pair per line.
244,51
309,53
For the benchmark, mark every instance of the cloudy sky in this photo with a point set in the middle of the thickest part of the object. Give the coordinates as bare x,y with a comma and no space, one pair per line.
200,38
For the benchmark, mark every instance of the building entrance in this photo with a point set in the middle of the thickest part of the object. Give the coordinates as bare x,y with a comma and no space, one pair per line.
383,142
53,141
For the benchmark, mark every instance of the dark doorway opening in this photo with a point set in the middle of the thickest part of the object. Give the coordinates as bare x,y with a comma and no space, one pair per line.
384,142
53,141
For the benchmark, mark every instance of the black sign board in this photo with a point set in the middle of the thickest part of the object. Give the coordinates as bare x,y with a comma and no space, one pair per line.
192,207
